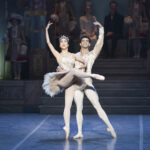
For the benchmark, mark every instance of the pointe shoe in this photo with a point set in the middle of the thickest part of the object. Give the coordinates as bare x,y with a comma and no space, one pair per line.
113,133
78,136
66,132
98,77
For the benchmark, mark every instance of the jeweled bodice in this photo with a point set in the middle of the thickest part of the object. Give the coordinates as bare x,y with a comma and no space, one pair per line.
67,61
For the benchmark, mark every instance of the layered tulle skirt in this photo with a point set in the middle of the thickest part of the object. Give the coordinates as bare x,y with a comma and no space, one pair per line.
50,83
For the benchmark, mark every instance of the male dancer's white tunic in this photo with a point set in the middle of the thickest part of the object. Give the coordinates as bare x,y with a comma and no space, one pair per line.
91,93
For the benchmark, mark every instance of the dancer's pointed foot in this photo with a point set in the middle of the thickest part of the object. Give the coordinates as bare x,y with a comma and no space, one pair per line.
98,77
78,136
112,131
67,131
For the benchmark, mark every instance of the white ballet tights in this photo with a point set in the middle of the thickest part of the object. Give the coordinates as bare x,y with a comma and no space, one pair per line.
78,98
69,94
66,81
93,98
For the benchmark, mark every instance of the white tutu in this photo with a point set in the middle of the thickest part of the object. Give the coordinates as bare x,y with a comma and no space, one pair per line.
50,83
51,87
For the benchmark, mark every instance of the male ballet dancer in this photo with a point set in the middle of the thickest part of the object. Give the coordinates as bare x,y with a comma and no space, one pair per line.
90,92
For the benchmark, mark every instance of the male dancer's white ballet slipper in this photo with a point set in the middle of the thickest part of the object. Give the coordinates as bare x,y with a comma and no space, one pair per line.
78,136
98,77
67,131
112,131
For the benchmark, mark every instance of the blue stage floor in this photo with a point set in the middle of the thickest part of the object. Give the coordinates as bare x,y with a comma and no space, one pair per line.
44,132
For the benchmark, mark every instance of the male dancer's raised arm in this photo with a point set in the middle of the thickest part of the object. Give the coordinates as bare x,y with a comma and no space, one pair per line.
98,46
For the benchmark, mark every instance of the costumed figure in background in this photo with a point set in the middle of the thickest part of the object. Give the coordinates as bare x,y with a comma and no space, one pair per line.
69,78
64,18
86,24
17,48
138,26
113,24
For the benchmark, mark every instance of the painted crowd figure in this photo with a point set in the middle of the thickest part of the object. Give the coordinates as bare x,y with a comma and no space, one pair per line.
86,24
17,40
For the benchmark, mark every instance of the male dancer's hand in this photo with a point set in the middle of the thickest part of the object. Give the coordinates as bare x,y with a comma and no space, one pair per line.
98,24
59,69
83,66
48,25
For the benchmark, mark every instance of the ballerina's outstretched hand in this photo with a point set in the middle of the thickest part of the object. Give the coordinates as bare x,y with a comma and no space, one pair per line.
48,25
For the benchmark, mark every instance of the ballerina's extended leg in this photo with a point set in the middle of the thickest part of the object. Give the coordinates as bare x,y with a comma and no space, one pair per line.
66,81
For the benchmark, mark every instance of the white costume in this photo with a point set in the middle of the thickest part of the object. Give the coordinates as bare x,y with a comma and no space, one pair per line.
50,79
90,92
50,85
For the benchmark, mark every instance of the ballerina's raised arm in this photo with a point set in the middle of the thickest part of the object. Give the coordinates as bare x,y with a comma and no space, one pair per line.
51,47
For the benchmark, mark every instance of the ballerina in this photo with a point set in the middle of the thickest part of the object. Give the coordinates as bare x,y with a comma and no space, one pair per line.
69,79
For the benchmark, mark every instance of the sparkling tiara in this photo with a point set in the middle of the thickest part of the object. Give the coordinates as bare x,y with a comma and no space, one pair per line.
63,37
